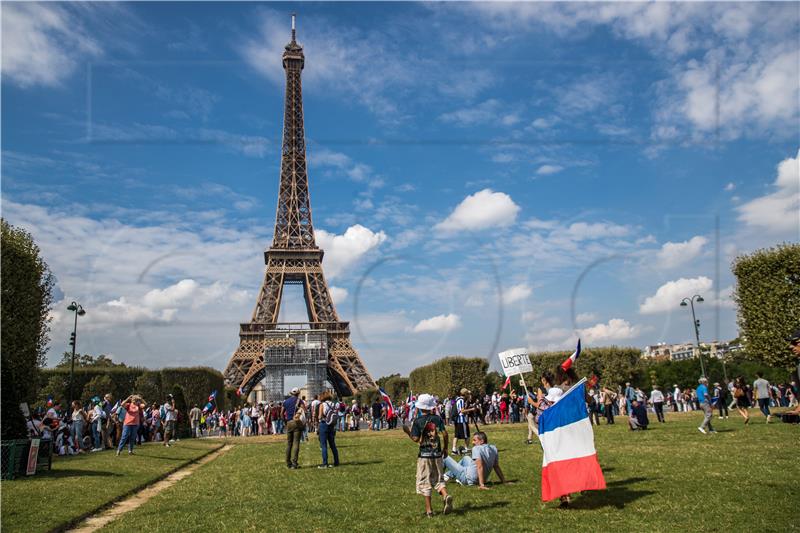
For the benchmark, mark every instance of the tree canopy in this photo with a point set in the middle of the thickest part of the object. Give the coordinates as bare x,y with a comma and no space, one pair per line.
27,293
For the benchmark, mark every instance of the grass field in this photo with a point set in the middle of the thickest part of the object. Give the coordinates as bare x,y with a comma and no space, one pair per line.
84,483
669,478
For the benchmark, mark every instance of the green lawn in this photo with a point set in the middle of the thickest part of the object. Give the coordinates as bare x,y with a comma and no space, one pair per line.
670,478
82,484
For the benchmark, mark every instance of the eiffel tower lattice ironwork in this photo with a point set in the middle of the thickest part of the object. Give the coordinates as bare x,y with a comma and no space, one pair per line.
295,258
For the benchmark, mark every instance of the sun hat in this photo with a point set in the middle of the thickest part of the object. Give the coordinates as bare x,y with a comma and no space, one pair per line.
426,402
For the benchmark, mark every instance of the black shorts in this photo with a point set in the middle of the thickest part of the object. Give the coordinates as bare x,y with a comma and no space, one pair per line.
462,430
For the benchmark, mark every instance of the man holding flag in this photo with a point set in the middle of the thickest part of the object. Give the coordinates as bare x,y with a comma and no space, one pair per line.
569,462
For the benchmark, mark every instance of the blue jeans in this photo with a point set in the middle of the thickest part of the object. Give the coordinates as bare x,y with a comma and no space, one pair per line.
96,434
327,437
465,470
77,433
763,404
376,424
341,423
129,436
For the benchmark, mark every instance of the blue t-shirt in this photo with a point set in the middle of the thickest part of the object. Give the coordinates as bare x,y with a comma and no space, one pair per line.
487,453
702,392
289,405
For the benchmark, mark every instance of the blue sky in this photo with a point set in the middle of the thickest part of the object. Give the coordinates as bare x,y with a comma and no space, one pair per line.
483,176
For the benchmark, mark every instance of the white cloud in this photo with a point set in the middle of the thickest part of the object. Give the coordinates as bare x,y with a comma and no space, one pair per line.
673,254
482,113
482,210
442,323
730,186
778,211
353,170
596,230
668,297
584,318
171,296
338,294
616,329
43,42
546,170
342,252
516,293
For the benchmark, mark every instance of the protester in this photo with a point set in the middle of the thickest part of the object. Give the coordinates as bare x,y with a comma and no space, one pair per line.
133,406
476,469
426,430
293,411
170,417
608,396
764,391
461,420
657,399
706,405
638,416
194,420
328,416
721,397
377,413
79,422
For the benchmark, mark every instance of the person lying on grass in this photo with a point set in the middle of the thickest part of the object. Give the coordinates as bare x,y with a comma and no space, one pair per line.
426,430
476,469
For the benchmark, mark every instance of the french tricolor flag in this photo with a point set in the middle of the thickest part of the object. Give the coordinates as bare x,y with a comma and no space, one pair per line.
389,406
570,462
566,365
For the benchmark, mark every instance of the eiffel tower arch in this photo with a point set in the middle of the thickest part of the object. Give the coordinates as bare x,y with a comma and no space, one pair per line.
270,349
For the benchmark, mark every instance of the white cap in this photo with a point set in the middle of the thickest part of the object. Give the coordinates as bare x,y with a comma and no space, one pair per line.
295,391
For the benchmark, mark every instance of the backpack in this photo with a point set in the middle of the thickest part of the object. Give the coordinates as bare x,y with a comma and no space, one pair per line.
332,415
162,412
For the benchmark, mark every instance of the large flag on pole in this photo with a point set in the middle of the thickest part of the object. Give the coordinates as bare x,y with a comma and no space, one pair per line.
570,462
389,406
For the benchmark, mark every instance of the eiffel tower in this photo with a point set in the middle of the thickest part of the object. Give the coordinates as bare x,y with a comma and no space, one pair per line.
294,258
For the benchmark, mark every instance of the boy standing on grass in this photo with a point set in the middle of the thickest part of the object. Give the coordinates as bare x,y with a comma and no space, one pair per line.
425,430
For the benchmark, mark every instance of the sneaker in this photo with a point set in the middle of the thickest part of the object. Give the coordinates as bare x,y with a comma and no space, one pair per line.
322,467
130,452
448,504
117,452
713,431
701,430
769,417
720,418
429,514
446,478
528,442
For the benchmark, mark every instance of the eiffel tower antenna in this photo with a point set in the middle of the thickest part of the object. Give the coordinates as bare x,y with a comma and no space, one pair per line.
321,347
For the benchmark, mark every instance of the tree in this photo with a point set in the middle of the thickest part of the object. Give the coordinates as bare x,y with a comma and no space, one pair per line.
148,386
27,293
84,360
98,386
768,296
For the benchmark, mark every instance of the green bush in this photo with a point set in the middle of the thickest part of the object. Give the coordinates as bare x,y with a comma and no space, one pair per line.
153,385
447,376
27,286
397,388
613,364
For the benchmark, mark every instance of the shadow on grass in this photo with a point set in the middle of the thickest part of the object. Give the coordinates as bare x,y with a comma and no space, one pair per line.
359,463
71,472
468,507
617,494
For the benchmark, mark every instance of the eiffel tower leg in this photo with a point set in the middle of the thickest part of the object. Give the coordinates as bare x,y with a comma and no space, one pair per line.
269,298
346,371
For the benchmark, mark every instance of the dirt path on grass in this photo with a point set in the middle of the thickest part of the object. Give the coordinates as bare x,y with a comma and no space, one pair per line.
119,508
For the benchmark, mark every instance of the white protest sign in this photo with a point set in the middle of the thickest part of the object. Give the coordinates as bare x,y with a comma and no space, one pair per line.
515,361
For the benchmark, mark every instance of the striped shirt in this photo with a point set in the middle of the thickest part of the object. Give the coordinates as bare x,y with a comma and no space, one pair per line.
460,404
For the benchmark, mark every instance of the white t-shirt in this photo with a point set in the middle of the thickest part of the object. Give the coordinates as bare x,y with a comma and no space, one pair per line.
656,396
554,394
762,388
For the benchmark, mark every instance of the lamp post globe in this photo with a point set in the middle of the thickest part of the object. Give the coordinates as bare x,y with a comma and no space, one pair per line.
696,323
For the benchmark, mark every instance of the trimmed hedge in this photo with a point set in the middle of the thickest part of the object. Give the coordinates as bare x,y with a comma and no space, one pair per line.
613,364
196,383
447,376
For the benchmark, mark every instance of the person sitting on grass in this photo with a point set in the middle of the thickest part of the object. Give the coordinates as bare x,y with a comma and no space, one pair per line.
476,469
426,430
638,417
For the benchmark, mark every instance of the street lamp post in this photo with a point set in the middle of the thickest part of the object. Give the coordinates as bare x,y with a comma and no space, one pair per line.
74,306
696,298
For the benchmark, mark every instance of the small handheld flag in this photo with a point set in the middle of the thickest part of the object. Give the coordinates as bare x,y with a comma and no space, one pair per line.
49,400
566,365
507,383
239,392
212,396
